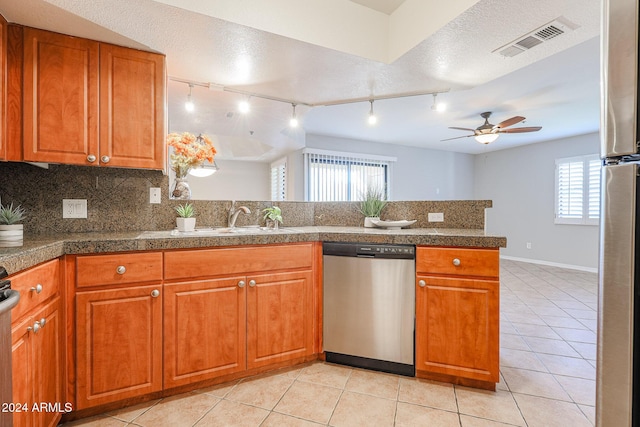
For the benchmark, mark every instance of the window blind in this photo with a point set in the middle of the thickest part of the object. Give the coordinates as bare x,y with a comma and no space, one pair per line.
336,176
578,190
279,180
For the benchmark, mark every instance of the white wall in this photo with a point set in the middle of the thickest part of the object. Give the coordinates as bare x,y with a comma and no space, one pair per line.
521,183
236,180
419,174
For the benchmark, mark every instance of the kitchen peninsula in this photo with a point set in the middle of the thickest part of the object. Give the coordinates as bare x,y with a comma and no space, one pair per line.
150,294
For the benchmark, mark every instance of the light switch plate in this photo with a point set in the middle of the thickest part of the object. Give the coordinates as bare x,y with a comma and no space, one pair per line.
436,217
74,208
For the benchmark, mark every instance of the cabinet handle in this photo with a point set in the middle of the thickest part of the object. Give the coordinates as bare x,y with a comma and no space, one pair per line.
456,262
42,322
121,269
105,159
37,288
241,284
35,328
155,293
422,283
252,283
91,158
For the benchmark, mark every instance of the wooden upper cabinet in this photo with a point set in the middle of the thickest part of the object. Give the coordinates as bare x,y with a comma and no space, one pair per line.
60,93
90,103
132,108
3,88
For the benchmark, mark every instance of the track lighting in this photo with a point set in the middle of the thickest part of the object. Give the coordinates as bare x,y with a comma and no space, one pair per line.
189,104
372,117
244,107
438,106
294,119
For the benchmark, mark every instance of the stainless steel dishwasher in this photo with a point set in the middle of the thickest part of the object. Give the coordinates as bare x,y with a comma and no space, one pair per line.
369,306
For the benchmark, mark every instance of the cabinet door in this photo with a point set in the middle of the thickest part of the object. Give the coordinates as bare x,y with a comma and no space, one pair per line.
204,329
457,327
60,98
119,344
22,372
48,364
132,108
279,317
3,88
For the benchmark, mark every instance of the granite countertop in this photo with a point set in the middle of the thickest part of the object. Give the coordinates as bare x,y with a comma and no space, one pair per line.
40,248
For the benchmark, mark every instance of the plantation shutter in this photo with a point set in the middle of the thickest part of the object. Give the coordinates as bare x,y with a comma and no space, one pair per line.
279,180
578,190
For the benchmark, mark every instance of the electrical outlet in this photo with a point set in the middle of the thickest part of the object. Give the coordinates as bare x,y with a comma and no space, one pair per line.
528,245
436,217
74,208
154,195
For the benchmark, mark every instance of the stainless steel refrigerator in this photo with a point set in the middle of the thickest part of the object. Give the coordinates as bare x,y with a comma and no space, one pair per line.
618,368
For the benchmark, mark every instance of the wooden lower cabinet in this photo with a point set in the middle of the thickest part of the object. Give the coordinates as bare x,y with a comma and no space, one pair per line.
279,318
38,367
119,344
457,327
204,330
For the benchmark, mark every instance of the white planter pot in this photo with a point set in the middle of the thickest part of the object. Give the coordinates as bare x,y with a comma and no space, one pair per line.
11,235
186,224
368,223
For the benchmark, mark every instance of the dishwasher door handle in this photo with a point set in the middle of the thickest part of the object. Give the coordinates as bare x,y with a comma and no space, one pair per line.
365,256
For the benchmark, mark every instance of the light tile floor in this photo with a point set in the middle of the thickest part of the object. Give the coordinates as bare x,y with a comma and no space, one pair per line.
547,360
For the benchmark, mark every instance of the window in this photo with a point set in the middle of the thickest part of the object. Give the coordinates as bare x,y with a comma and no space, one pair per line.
279,180
578,190
337,176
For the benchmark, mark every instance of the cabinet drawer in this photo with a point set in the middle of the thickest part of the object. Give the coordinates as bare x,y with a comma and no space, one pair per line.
458,261
115,269
226,261
35,285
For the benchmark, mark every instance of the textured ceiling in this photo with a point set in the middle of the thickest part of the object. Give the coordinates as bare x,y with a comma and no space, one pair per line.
554,85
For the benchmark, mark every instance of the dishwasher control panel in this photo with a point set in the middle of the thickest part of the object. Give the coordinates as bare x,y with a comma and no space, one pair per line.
369,250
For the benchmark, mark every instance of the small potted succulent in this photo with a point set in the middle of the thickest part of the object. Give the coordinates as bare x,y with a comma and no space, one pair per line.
185,220
273,216
372,205
10,231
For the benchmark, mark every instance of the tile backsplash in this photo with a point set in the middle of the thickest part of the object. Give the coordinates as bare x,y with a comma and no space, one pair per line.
118,200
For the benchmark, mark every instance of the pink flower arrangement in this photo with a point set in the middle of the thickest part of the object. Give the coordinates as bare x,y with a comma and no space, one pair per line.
189,151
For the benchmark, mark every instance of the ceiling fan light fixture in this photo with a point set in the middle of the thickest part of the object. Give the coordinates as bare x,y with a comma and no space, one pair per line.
205,170
486,138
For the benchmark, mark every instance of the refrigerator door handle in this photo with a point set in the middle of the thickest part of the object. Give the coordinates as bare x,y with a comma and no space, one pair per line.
619,78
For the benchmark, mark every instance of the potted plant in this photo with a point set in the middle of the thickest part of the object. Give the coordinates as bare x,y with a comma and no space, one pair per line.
186,220
273,216
372,205
11,233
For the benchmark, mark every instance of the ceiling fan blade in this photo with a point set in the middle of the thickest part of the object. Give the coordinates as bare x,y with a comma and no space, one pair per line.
509,122
457,137
470,130
521,130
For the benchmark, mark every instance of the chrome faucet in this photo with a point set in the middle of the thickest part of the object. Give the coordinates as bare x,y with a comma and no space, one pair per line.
233,213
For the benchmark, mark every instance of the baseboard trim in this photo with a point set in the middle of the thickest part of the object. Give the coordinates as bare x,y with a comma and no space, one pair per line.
551,264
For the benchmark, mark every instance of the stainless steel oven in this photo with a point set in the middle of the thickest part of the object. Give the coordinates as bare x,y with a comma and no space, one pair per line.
8,299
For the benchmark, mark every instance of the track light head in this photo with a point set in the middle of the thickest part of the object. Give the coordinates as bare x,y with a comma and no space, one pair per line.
189,105
293,122
372,117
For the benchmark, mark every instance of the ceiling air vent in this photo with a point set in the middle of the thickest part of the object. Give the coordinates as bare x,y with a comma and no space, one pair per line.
538,36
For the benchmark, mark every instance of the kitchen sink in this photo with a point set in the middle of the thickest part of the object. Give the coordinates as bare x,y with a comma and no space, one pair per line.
216,231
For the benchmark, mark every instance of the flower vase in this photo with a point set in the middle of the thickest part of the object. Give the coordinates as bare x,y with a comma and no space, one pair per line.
181,189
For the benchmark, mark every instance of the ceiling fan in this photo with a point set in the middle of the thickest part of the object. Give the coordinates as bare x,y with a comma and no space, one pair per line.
488,133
